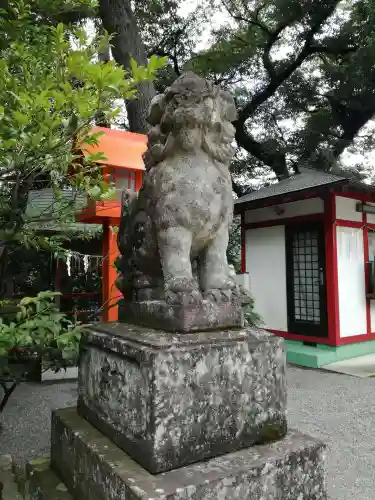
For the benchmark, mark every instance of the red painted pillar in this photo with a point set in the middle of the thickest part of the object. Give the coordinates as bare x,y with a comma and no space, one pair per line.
138,180
243,243
110,294
331,270
367,274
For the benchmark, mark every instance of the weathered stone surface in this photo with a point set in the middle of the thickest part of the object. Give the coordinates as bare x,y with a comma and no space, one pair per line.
173,237
43,484
6,463
8,484
204,315
93,468
173,399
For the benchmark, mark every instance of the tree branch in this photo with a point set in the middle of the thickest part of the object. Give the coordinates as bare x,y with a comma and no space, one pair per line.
279,78
273,38
8,390
239,189
252,19
352,122
173,57
171,40
323,49
276,160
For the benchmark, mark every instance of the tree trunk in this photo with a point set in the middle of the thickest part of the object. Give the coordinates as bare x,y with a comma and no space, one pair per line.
4,288
104,56
119,20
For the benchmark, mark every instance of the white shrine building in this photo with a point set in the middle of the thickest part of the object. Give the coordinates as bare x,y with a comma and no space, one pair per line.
308,244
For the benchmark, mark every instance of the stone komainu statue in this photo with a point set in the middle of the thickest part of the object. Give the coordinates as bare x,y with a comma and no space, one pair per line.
173,236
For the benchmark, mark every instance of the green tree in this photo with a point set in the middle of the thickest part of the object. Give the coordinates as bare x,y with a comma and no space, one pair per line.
150,27
52,89
303,74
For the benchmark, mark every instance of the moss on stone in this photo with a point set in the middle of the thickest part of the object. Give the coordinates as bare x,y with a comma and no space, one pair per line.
271,431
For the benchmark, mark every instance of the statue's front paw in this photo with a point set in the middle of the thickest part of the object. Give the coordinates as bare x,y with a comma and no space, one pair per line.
218,295
183,298
244,295
182,291
241,295
221,282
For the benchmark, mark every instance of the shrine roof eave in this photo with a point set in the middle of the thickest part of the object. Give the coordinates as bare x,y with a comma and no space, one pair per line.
295,187
122,149
284,197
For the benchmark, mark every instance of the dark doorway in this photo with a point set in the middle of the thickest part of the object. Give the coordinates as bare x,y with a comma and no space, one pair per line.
306,287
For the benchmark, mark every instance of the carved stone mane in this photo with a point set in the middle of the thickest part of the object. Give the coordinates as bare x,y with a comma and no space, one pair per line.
191,114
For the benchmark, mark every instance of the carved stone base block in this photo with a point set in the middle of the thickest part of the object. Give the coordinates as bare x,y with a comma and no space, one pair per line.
169,400
93,468
206,315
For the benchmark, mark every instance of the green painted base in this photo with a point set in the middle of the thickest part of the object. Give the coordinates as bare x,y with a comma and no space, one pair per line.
321,354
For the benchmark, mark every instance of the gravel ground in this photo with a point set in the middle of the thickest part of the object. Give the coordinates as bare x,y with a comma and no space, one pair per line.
26,418
335,408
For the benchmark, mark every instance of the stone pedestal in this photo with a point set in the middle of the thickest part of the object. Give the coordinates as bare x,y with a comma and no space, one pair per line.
169,400
93,468
163,416
205,315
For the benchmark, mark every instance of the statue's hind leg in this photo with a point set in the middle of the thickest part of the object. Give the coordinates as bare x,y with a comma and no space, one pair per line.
174,248
215,279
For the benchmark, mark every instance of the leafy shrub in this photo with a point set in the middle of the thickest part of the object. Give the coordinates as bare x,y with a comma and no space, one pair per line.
37,330
252,318
40,328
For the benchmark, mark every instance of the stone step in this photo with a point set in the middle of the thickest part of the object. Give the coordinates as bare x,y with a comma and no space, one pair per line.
94,468
43,484
8,484
20,477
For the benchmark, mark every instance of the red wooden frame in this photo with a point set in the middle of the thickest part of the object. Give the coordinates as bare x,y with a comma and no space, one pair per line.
370,197
243,244
366,271
331,270
349,223
285,220
330,222
357,338
138,180
110,294
298,336
318,340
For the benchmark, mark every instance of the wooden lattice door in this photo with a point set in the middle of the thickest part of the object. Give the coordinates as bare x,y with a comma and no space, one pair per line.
306,284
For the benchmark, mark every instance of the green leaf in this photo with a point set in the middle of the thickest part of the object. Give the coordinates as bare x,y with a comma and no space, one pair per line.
20,118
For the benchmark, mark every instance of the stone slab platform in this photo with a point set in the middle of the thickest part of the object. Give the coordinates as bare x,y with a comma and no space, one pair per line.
205,315
8,484
93,468
43,484
173,399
